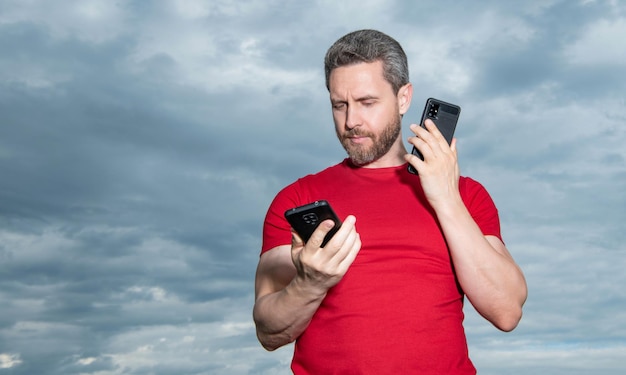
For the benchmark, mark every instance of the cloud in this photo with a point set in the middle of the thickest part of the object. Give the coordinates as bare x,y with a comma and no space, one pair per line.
140,145
9,360
91,21
600,44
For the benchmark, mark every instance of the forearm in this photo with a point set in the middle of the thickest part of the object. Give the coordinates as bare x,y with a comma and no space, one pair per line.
492,281
282,316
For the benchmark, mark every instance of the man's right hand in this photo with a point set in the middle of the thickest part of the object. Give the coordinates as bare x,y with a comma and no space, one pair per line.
318,269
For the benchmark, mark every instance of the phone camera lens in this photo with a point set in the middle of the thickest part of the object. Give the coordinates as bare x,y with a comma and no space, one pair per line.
433,110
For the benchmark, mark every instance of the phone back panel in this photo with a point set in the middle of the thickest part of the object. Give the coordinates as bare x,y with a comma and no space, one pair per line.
305,219
444,115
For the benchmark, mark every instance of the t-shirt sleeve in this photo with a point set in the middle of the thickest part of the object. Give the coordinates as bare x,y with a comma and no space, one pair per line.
481,207
276,229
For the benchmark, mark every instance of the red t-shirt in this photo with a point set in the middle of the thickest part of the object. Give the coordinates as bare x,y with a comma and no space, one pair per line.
398,309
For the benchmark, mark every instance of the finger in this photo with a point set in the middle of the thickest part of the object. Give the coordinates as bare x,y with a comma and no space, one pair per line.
433,129
440,144
431,126
347,244
295,239
421,135
343,233
414,161
435,136
320,232
424,142
345,238
340,237
414,127
353,251
429,133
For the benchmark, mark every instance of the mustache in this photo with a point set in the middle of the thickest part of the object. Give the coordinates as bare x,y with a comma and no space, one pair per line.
355,132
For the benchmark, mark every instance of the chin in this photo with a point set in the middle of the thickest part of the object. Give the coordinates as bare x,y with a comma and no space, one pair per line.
360,162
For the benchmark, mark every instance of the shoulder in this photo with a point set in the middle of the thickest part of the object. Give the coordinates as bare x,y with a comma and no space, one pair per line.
481,206
276,229
469,183
305,183
471,189
476,198
328,173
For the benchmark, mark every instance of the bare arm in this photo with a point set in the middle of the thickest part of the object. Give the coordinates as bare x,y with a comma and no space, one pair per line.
492,281
486,271
292,281
282,309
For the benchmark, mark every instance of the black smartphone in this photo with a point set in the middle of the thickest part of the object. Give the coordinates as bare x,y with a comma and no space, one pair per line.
304,219
444,115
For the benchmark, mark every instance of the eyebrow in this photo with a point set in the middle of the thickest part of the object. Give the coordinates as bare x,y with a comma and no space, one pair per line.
367,97
360,99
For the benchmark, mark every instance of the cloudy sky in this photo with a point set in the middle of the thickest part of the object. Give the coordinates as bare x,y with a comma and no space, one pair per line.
142,142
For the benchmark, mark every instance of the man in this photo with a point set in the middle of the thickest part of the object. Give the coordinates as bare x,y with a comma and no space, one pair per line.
385,295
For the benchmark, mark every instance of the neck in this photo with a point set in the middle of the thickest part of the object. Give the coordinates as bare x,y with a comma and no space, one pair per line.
393,158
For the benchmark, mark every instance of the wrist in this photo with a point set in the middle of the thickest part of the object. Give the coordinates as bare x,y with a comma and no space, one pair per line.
306,290
449,207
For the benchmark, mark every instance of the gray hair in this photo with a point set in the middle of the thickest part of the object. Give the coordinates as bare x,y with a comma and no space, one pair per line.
369,46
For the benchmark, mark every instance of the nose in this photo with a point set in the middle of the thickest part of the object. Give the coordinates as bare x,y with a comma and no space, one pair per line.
353,118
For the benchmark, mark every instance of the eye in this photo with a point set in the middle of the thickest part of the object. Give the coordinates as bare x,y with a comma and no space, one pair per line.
339,106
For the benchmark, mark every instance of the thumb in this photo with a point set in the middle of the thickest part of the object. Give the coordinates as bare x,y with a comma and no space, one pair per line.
317,238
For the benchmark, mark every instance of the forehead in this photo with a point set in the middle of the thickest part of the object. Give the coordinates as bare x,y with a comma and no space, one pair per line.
358,77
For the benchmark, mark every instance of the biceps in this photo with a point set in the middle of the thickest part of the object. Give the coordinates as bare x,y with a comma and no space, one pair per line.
275,271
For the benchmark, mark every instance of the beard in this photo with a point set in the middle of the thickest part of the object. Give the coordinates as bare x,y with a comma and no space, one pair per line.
381,143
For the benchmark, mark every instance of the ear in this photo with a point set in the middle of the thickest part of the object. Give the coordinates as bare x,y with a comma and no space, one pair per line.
405,94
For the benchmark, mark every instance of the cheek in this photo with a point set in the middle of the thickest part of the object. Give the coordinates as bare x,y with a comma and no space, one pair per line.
380,117
339,119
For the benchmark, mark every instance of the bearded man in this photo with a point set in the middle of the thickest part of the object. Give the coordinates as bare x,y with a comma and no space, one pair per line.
386,298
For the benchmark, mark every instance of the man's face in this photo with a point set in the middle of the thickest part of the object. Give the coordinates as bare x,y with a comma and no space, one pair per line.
365,111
